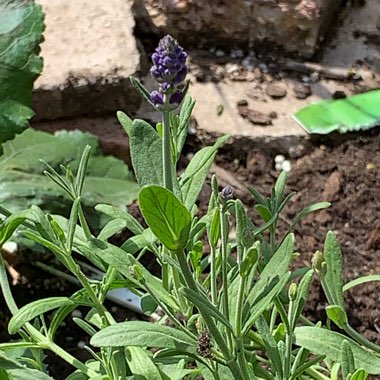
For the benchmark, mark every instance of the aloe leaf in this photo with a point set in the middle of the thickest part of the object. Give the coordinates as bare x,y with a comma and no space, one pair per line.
354,113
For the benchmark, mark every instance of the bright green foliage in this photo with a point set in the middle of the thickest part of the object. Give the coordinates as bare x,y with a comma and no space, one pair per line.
23,183
354,113
21,27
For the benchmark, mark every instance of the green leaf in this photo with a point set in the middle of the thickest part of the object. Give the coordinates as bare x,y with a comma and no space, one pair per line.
17,371
143,334
263,212
354,113
132,224
34,309
279,187
272,273
338,315
112,228
329,343
10,225
359,374
333,276
192,180
308,210
270,345
348,360
141,365
302,294
146,152
21,27
205,306
360,281
184,120
166,216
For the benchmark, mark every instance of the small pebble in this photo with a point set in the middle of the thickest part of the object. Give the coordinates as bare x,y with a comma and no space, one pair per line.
286,166
81,344
76,314
302,91
242,103
339,95
314,77
275,91
220,53
279,159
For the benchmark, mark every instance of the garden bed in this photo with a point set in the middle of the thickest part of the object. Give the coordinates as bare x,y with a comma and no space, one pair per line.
346,173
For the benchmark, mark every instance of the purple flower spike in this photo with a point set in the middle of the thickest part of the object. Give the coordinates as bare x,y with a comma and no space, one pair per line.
169,71
227,193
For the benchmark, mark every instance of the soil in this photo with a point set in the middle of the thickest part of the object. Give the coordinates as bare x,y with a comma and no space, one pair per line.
346,173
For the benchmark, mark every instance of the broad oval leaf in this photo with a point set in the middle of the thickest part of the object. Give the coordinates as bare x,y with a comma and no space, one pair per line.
141,365
329,343
21,27
143,334
167,217
34,309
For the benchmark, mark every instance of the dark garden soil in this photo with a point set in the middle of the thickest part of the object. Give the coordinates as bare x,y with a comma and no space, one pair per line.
346,173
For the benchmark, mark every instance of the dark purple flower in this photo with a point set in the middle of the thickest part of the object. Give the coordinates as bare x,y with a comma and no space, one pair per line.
176,98
169,71
157,98
227,193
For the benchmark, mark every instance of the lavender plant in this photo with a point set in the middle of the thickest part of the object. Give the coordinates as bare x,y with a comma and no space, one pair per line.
235,313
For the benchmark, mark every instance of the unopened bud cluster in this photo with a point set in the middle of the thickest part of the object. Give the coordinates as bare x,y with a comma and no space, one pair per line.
169,71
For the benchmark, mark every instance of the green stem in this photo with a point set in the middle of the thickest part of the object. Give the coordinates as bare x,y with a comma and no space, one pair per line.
166,151
214,294
231,361
83,223
288,342
223,247
361,339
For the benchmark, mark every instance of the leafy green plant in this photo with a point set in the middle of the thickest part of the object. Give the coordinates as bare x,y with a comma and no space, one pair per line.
233,313
24,184
21,27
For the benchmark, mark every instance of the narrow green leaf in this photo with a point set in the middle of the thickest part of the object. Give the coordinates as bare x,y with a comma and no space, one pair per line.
308,210
166,216
131,222
34,309
85,326
141,365
184,120
329,343
125,121
192,180
270,345
143,334
263,212
11,223
279,187
359,374
214,227
205,306
360,281
79,180
276,268
301,298
17,371
72,224
112,228
347,360
141,89
333,276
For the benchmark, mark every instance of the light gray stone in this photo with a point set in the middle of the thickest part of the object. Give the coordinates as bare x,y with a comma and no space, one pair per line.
89,52
297,26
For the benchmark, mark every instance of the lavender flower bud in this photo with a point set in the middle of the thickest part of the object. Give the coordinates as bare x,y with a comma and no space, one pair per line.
227,193
157,98
169,70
